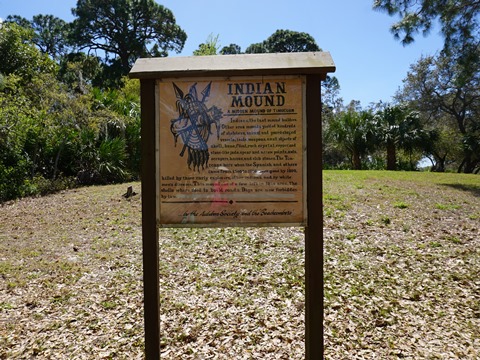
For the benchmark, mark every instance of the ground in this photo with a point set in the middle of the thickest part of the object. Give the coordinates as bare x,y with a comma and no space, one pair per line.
401,276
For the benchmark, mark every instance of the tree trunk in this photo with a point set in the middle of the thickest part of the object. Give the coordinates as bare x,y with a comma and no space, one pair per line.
391,155
469,167
467,164
57,158
439,163
34,160
124,55
357,162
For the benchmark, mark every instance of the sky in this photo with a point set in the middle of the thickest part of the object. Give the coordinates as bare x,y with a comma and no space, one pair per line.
370,63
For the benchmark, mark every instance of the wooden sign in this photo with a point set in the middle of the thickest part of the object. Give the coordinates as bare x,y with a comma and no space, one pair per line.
231,152
233,140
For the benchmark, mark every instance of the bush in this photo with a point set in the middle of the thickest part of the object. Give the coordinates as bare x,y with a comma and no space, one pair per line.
42,186
12,183
103,163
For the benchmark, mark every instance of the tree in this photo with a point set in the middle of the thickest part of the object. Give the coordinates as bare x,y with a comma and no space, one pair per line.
397,127
282,41
458,19
128,29
18,56
19,20
79,70
257,48
55,126
445,145
231,49
330,94
437,86
353,131
14,167
290,41
332,105
50,33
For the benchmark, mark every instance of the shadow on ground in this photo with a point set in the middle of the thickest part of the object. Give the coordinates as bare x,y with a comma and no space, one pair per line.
474,189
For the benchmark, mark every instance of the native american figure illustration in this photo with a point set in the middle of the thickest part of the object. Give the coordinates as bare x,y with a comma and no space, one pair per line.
194,125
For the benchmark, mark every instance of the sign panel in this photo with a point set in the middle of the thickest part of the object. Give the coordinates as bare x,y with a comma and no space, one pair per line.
231,151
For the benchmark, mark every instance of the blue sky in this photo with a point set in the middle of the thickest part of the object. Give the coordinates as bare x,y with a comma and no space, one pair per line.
370,62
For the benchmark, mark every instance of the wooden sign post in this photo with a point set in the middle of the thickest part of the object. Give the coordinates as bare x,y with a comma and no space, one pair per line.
233,140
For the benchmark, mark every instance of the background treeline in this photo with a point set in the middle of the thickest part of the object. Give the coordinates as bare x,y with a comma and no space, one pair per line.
434,120
70,116
57,129
68,113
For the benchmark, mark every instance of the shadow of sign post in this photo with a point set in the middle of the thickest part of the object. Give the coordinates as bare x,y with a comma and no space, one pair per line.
233,140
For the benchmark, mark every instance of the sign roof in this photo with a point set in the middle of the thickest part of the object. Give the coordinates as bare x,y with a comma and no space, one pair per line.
307,63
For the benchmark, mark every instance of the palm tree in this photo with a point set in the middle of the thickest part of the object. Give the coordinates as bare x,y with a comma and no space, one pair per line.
353,132
398,127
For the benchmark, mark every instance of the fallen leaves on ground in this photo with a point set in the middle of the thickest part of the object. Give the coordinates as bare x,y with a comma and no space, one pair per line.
401,277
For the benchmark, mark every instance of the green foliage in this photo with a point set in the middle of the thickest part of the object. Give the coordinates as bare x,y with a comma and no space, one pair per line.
231,49
79,70
111,164
12,178
290,41
2,82
210,47
388,137
70,118
447,85
50,34
111,149
450,207
353,132
458,19
102,161
18,56
56,130
400,205
386,220
282,41
397,128
449,103
14,166
257,48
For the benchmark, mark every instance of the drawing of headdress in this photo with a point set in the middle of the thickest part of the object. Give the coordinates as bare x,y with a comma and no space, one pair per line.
194,124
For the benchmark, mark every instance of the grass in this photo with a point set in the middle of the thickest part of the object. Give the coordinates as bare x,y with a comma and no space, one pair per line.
450,207
400,205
